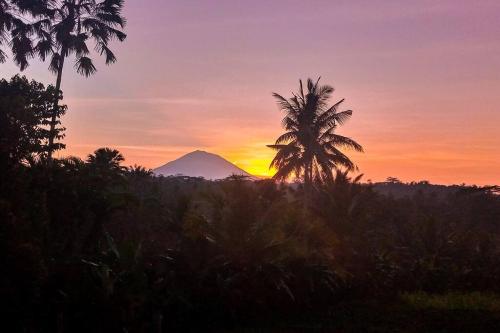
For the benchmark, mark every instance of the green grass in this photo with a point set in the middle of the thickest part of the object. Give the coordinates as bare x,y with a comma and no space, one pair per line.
409,313
473,301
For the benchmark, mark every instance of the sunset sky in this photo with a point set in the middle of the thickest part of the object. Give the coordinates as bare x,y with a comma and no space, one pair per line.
423,79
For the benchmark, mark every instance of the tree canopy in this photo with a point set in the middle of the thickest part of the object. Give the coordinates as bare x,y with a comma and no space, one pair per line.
310,149
25,113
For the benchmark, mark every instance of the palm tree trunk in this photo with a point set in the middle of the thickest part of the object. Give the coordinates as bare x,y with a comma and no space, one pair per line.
52,133
307,185
158,321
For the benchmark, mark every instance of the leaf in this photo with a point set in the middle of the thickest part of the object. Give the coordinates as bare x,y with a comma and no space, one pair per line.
22,49
283,286
110,56
43,48
90,263
112,245
3,56
55,63
84,66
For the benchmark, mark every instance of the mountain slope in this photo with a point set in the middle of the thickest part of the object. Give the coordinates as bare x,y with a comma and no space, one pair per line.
200,164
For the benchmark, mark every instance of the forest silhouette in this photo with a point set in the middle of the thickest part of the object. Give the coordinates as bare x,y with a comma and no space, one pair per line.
93,245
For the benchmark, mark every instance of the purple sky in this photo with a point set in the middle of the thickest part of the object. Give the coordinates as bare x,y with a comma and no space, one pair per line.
423,79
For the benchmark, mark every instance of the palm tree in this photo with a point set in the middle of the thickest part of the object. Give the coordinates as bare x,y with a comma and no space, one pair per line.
310,149
59,29
106,159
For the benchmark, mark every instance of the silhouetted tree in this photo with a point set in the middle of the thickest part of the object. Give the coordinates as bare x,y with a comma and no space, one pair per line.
310,148
59,29
25,112
393,180
106,159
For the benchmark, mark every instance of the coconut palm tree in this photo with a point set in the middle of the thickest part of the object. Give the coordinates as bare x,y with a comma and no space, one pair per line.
107,159
310,149
58,29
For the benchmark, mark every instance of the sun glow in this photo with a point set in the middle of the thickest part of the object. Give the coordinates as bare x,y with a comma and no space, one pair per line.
257,167
253,157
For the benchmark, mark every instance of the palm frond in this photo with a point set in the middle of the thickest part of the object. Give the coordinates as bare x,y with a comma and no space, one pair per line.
343,141
43,48
339,158
286,137
280,146
55,63
301,91
310,86
284,104
285,152
120,35
84,66
341,117
285,171
289,123
103,49
111,18
329,112
22,50
325,91
357,178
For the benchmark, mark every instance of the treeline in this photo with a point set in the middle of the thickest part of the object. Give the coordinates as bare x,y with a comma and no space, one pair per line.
88,245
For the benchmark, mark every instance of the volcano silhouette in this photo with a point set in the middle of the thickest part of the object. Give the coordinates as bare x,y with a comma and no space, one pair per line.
201,164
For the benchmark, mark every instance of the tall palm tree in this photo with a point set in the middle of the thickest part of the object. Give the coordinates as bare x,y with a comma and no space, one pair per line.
310,149
58,29
106,159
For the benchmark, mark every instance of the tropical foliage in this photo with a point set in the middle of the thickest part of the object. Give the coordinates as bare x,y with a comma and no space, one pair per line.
310,147
56,30
111,248
26,112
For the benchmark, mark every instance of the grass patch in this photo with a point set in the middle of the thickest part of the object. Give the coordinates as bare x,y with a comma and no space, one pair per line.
409,313
472,301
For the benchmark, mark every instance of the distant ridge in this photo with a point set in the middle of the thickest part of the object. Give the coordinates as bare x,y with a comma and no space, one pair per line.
201,164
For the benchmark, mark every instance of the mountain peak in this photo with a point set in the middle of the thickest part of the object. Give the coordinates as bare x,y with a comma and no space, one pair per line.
198,152
200,163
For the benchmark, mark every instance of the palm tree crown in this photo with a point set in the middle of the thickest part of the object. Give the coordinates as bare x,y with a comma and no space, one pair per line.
310,149
106,159
58,29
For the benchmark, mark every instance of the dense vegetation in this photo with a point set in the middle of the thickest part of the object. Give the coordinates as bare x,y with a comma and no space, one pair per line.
104,247
90,245
94,246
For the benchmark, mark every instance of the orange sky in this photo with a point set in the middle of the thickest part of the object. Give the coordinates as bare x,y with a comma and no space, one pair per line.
422,78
